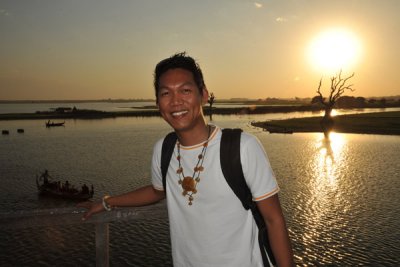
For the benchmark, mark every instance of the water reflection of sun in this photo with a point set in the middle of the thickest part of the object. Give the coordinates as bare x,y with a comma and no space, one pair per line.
329,153
327,166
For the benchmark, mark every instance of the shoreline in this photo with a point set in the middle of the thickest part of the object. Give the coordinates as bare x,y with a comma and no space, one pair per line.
152,111
383,123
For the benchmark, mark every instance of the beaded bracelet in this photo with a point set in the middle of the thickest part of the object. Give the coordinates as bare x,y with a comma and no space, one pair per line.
106,206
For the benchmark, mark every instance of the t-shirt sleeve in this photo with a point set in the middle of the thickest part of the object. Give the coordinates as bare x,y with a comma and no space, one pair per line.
257,169
156,176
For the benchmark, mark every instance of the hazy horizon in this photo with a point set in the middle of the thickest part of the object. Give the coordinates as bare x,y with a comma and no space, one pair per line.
88,50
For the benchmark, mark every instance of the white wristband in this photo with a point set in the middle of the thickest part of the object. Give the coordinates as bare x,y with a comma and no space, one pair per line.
106,206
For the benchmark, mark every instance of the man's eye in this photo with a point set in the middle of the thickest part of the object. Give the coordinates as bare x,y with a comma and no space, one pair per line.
186,91
164,93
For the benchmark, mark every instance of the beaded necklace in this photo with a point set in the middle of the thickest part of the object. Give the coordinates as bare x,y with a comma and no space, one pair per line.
189,183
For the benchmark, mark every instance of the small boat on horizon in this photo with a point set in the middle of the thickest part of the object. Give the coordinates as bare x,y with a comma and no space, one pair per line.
53,124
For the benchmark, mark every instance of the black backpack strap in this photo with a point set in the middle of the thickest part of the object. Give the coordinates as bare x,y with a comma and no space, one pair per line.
167,149
232,169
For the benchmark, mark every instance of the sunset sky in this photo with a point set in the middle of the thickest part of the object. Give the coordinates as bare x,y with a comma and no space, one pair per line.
100,49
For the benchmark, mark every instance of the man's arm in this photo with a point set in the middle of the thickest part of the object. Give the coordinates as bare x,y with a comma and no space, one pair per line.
140,197
271,211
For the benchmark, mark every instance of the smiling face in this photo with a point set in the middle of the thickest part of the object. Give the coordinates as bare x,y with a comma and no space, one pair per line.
180,102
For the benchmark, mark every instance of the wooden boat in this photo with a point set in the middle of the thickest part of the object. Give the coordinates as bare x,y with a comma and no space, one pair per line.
54,189
54,124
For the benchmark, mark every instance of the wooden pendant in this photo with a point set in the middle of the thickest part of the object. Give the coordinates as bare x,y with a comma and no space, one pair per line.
188,185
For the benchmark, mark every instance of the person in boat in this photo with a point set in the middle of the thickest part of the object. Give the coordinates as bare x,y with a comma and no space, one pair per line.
85,189
48,181
66,186
208,224
45,176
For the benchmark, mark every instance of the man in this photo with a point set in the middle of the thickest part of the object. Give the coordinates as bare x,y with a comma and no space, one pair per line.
208,224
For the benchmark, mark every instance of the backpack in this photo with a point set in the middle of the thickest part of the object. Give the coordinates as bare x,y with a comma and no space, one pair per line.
233,173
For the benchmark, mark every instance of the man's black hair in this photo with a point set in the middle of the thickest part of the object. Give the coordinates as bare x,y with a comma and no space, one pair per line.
179,61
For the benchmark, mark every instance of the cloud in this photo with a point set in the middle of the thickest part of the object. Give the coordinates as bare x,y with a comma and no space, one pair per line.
281,19
4,12
284,19
258,5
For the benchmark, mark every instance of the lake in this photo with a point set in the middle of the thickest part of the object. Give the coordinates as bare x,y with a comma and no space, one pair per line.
340,196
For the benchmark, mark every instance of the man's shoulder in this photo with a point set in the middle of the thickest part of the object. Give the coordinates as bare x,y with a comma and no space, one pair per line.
158,144
245,136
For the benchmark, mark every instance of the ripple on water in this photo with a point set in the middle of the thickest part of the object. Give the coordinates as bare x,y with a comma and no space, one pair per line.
340,197
137,243
144,243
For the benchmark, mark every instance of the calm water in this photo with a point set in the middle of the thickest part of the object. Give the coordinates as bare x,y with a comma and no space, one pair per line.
340,196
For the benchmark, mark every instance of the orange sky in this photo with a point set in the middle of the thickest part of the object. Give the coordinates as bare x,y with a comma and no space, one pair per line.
107,49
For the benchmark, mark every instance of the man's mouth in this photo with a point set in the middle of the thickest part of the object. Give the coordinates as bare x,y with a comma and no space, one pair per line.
179,113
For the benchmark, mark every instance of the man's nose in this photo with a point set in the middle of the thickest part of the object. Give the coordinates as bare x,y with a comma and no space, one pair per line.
176,98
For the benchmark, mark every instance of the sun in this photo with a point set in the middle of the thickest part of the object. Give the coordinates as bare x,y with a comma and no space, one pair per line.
334,49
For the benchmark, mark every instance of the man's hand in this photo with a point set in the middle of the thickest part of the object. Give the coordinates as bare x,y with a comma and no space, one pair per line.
92,208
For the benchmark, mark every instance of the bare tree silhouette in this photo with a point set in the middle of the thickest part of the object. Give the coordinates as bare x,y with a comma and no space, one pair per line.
339,85
211,98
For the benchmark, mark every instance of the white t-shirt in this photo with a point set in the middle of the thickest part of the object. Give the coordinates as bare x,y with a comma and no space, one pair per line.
215,230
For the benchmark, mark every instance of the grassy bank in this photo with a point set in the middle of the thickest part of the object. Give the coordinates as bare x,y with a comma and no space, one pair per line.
367,123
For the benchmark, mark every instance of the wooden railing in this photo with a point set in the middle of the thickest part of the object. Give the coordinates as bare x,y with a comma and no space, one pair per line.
70,216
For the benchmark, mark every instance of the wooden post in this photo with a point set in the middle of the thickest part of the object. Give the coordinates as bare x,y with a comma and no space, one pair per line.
102,245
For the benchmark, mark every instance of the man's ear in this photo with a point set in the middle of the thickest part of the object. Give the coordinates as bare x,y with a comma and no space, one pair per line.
205,96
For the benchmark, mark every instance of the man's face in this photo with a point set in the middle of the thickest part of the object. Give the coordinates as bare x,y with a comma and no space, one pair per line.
179,100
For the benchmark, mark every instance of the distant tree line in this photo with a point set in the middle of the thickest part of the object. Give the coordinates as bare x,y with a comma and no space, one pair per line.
359,102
